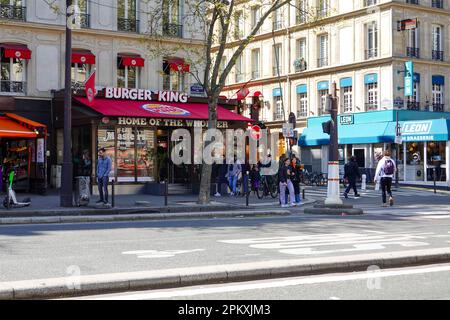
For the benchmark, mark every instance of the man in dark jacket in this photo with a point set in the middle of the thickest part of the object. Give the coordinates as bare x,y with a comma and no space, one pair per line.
351,173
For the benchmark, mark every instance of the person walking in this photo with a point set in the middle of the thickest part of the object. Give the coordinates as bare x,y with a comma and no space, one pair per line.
385,172
351,173
104,165
295,177
234,170
284,176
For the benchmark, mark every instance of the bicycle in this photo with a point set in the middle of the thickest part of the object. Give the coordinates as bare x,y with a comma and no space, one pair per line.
267,186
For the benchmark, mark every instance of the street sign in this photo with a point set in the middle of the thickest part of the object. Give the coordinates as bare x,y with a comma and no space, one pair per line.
398,140
409,79
288,130
407,24
197,89
255,132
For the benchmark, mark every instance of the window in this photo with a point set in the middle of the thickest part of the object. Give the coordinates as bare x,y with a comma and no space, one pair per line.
370,2
83,5
12,9
302,105
412,1
371,40
127,75
278,103
239,67
322,8
255,17
438,93
437,52
127,16
413,43
277,60
80,73
300,62
173,79
437,4
347,99
413,102
171,18
323,51
12,74
322,94
277,18
255,64
239,25
301,9
371,95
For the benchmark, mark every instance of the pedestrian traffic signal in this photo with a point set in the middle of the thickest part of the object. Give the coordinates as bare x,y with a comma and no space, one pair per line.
326,126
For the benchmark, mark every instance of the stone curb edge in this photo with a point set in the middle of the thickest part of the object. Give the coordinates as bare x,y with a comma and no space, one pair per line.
172,278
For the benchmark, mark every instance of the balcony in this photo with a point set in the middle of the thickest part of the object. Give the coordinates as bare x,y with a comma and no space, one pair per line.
276,70
302,113
371,106
255,74
173,30
12,12
368,3
413,52
437,4
277,25
85,21
438,107
412,1
371,53
13,87
322,13
437,55
346,108
239,77
300,18
413,105
300,65
128,25
278,116
322,62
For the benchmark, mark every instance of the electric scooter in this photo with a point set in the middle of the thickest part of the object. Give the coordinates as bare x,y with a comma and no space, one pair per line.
11,199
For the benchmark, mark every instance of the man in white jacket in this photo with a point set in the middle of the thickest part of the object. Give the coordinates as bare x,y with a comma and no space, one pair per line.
384,174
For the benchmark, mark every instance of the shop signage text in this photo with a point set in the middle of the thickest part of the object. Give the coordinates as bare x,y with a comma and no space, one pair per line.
417,128
346,120
145,95
168,122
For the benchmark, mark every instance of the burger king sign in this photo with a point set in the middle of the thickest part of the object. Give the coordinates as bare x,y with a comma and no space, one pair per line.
165,109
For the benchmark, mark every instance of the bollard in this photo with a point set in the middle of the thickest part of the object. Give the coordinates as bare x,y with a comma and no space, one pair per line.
434,179
303,194
247,195
166,192
113,198
364,182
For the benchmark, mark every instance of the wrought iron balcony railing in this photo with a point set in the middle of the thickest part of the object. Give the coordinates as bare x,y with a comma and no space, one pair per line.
239,77
371,53
173,30
302,113
277,70
255,74
437,55
438,107
322,62
85,20
412,1
277,116
413,52
12,12
371,106
7,86
322,13
300,18
277,25
437,4
128,25
413,105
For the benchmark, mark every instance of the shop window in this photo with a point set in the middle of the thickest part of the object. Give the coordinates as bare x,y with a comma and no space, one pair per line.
12,74
436,159
106,139
173,79
414,161
145,146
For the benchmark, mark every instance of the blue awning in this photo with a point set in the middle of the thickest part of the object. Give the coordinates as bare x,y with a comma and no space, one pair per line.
422,130
302,88
323,85
370,78
346,82
438,80
276,92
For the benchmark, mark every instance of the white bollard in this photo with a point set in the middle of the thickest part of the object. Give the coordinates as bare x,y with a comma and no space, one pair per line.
364,182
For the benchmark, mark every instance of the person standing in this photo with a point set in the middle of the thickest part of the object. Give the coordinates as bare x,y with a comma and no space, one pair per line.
234,169
295,174
284,176
351,173
385,172
104,165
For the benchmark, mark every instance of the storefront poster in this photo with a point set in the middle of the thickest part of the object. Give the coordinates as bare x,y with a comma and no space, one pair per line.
40,153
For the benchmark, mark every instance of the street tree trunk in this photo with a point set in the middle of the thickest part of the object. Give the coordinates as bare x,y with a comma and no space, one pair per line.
204,195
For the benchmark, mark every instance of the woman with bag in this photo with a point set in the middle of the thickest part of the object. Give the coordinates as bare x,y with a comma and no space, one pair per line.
295,178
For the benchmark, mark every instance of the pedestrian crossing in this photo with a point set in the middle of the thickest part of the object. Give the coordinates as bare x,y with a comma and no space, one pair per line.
401,192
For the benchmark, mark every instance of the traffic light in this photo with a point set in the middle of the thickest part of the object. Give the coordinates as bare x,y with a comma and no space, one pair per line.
326,127
292,119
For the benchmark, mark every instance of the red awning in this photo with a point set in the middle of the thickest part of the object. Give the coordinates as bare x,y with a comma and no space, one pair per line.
257,94
16,51
132,61
83,57
11,129
26,122
178,65
155,109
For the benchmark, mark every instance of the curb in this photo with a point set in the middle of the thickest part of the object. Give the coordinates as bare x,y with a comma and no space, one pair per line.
140,217
172,278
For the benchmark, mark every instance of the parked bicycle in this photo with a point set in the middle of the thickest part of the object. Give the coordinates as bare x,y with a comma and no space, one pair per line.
267,186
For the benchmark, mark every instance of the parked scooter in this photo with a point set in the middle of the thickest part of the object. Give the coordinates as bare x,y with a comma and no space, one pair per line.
11,199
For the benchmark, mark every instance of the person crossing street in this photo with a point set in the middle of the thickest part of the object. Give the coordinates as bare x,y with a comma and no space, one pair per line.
351,174
384,174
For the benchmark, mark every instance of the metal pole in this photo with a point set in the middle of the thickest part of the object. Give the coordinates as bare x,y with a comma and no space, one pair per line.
397,156
303,194
166,192
434,179
113,200
66,198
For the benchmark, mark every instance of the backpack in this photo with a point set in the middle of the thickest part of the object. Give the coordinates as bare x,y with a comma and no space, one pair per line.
389,167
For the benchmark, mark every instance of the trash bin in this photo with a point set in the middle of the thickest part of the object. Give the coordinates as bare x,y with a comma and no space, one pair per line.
82,191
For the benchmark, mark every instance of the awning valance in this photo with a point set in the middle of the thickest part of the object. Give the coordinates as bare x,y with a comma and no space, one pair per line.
132,61
10,128
83,57
16,51
150,109
178,65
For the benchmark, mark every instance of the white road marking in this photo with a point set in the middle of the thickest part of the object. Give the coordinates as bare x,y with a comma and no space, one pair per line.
171,293
151,254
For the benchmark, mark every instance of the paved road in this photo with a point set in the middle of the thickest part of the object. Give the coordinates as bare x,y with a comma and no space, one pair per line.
420,283
47,251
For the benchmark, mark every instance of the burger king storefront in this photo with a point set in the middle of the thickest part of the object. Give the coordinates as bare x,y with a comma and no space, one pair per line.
135,127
